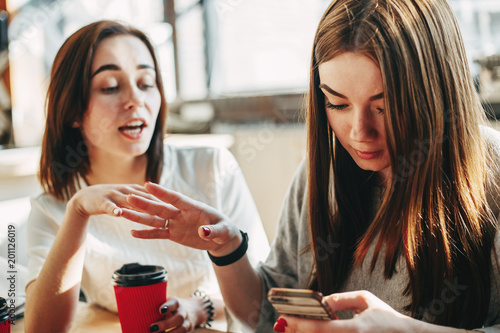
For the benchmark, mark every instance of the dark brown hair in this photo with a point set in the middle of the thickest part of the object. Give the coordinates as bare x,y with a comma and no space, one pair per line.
434,211
64,154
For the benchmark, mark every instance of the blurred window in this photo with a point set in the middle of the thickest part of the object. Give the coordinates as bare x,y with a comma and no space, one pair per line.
223,48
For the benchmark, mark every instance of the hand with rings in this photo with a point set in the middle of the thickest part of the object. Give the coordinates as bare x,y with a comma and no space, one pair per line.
181,219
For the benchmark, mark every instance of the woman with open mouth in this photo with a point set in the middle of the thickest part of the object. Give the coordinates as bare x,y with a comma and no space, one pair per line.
103,140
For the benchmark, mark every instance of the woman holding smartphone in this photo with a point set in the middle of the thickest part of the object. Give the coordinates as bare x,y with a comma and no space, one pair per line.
394,212
103,139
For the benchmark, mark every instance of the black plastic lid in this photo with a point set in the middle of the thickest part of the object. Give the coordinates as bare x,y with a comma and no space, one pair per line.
4,311
135,274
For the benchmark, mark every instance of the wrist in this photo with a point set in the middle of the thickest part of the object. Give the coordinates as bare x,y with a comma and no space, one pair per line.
206,313
228,247
74,206
235,255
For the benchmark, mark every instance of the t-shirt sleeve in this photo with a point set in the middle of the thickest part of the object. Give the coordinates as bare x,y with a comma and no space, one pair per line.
41,231
237,203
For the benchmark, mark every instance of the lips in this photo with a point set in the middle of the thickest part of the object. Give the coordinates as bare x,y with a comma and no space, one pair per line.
368,155
133,128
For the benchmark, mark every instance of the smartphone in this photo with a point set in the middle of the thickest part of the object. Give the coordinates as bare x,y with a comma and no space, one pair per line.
302,303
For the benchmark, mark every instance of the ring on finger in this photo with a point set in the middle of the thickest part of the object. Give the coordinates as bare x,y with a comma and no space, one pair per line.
166,224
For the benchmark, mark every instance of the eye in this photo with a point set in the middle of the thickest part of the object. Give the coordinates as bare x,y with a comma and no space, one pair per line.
145,86
109,90
380,110
336,107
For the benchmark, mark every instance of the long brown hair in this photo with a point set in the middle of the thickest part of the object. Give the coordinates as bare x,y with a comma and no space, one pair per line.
64,154
434,210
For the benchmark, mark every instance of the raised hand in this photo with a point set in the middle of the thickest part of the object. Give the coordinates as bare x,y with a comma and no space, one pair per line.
105,199
190,222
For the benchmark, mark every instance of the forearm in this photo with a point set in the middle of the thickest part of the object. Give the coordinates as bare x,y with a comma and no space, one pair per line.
53,297
423,327
241,289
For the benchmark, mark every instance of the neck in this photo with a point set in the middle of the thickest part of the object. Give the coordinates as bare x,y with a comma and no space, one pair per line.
384,176
117,170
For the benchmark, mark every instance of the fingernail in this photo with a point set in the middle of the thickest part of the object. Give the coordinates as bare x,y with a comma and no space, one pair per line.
206,231
282,322
155,328
164,309
279,328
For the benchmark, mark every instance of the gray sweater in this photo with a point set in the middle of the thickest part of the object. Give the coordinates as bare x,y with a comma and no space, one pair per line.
289,267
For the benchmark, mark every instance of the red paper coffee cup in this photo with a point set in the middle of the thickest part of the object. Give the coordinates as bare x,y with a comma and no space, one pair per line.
139,292
4,316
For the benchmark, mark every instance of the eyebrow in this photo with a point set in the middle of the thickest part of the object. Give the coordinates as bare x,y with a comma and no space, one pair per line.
113,67
333,92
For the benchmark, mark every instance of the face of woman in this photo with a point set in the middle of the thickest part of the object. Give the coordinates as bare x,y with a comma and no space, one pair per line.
124,99
354,103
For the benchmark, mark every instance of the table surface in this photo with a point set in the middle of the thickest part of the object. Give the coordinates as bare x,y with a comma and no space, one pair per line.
96,320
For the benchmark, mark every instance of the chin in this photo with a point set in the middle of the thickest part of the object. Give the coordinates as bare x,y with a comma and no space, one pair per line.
136,149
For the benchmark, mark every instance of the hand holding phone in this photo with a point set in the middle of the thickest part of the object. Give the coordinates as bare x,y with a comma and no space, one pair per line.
302,303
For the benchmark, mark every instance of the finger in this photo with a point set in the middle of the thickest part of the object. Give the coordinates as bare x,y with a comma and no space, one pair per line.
139,191
171,305
168,196
169,310
117,198
152,207
173,322
302,325
151,234
143,218
353,300
186,327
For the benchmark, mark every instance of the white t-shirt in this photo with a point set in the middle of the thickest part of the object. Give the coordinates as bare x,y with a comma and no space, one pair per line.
210,175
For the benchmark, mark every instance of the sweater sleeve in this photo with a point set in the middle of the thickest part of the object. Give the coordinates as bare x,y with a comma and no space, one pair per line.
492,138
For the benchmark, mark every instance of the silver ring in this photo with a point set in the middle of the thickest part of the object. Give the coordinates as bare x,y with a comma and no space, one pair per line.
166,224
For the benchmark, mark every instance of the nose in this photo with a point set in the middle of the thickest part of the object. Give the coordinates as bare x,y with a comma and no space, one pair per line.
134,98
362,125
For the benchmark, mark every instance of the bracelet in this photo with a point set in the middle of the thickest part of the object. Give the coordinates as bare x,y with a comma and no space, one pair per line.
208,306
233,256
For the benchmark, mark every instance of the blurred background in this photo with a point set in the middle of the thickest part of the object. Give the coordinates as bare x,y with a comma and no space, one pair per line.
235,73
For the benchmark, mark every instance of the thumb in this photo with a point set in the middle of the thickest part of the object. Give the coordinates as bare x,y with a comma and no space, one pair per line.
357,301
219,233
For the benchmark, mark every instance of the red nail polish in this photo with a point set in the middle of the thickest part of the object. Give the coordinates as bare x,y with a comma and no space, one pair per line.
282,322
206,231
279,328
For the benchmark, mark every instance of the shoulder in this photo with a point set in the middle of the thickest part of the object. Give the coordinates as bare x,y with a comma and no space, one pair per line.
295,202
197,165
45,207
188,154
492,139
48,202
300,179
